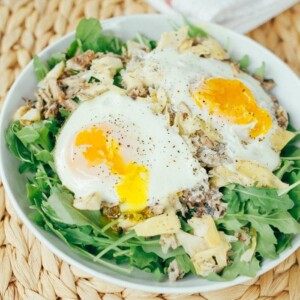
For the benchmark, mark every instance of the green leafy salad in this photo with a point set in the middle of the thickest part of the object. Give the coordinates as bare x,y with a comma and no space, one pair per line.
165,156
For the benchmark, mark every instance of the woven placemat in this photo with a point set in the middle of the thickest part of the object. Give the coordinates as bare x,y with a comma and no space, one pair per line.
28,270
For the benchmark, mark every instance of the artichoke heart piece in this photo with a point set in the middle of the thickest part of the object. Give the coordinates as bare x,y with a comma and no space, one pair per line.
209,48
174,39
207,247
54,73
186,125
108,64
92,91
212,235
133,46
221,176
132,79
158,100
216,50
167,223
211,132
27,115
258,173
190,243
210,260
247,173
280,138
91,202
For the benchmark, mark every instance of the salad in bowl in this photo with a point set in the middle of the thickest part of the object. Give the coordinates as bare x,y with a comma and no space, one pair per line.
169,155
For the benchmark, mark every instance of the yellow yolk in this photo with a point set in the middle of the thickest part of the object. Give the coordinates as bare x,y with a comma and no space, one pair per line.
134,179
231,99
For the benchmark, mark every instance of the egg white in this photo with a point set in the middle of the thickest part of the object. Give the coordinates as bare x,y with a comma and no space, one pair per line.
145,139
181,73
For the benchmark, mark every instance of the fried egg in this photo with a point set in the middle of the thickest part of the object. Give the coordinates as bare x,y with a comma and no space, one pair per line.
231,102
117,149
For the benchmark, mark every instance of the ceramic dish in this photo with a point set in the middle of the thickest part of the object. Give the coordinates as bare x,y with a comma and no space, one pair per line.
287,90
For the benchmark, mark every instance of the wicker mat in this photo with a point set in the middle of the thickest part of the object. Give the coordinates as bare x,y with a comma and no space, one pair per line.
28,269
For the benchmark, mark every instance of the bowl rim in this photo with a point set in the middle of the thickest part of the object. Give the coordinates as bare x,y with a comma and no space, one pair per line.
64,256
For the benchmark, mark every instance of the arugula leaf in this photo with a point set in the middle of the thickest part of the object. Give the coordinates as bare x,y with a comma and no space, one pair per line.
142,259
239,267
283,241
266,199
28,135
34,194
44,156
231,224
282,220
64,113
40,69
47,130
262,209
158,274
27,167
59,207
185,263
39,134
37,218
42,179
50,227
90,34
72,49
55,59
295,196
266,240
15,146
118,79
231,197
149,262
156,249
79,235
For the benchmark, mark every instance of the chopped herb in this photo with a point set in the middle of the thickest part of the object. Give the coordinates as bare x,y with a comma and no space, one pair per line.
195,30
244,62
260,72
76,99
93,79
118,79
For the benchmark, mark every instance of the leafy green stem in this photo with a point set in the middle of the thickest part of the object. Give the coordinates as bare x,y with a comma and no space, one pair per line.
284,169
110,224
291,158
126,252
120,241
286,190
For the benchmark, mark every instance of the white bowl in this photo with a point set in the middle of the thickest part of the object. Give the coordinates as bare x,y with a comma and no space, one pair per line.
287,91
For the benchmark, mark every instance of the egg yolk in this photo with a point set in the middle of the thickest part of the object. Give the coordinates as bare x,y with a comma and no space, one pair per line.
231,99
134,179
